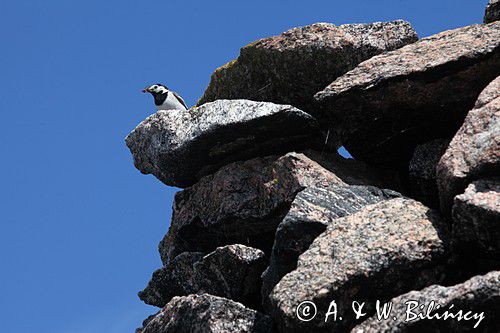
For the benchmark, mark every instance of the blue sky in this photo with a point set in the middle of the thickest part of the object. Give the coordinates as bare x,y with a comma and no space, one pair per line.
80,226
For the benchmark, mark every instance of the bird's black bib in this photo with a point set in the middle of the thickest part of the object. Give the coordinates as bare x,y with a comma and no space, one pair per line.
160,98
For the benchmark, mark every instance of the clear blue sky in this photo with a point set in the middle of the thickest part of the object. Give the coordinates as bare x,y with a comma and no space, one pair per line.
80,225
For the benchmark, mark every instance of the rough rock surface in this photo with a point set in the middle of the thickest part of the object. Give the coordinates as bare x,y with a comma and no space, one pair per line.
292,67
422,171
174,280
390,103
492,12
311,211
476,216
231,271
489,94
474,152
207,313
244,201
381,251
269,217
179,147
480,294
145,322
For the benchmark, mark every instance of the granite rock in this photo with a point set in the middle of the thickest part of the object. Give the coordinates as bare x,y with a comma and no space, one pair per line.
207,314
291,67
394,101
492,12
474,151
311,212
232,271
145,322
383,250
478,297
179,147
243,202
476,216
174,280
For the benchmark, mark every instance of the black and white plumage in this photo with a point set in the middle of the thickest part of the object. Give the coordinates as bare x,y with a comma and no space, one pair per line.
165,99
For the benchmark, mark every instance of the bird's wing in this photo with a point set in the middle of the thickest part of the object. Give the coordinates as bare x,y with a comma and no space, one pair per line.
179,98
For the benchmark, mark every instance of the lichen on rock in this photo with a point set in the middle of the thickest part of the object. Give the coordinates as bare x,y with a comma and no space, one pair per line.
291,67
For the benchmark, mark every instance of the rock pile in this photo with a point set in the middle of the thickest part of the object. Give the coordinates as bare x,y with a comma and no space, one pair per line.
381,109
270,215
292,67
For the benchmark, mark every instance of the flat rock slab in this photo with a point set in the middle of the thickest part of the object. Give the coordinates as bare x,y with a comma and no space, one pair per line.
474,152
422,171
179,147
383,250
476,216
244,202
478,297
292,67
232,271
311,212
207,313
492,12
390,103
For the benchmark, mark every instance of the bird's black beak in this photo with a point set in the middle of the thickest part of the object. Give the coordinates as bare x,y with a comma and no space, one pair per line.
144,90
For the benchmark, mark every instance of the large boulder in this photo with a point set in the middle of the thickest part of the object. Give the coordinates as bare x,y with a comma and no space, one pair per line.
477,298
206,314
476,216
422,171
174,280
390,103
474,152
311,212
292,67
231,271
492,12
179,147
243,202
383,250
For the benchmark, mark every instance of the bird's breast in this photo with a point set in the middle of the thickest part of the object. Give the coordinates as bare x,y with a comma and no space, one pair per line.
171,103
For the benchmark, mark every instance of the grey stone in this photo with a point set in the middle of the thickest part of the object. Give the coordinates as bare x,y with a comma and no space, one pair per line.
422,171
476,216
179,147
207,314
489,94
474,152
311,211
174,280
479,295
394,101
145,322
291,67
244,202
231,271
383,250
492,12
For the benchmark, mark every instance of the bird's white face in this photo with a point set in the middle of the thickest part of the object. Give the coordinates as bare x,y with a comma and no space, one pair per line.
155,88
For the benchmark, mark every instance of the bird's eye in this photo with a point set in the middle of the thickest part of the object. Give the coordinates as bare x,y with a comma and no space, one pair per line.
155,86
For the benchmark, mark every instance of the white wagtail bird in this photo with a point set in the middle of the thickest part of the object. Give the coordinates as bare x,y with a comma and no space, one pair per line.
165,99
